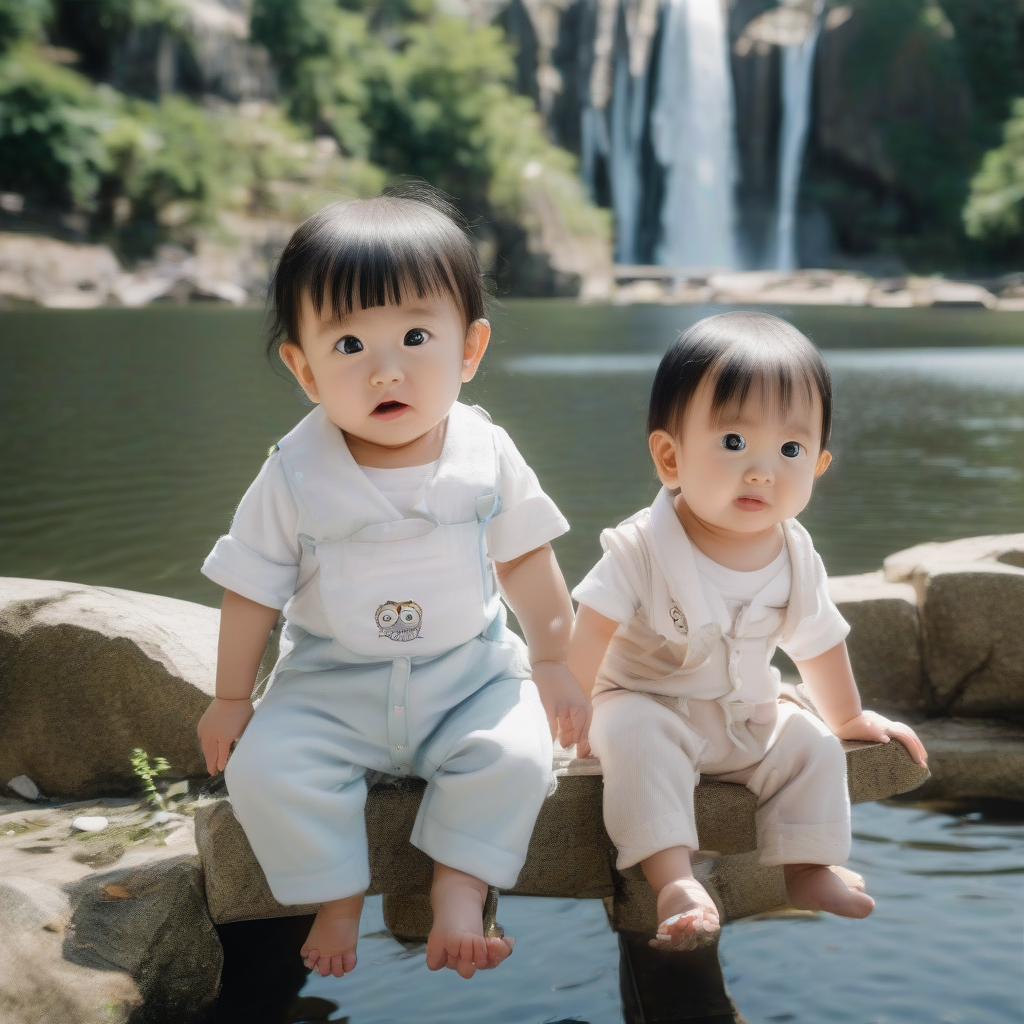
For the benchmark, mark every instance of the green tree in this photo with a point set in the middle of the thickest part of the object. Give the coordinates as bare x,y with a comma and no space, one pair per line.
995,207
52,123
22,19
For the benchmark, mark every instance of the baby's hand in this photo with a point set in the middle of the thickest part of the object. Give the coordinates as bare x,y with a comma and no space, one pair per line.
876,728
564,702
222,723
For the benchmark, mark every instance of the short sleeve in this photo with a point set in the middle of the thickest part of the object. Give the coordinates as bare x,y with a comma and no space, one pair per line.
612,587
259,556
527,518
823,630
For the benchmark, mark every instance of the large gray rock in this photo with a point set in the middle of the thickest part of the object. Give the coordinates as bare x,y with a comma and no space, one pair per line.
116,918
37,984
89,673
884,640
971,596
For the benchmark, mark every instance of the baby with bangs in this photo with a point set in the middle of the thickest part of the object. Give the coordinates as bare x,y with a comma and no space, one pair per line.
678,622
388,527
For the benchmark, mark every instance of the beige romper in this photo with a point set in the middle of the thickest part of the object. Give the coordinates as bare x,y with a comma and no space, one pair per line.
687,688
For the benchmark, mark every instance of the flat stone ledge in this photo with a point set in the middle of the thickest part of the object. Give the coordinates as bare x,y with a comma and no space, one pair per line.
570,853
972,759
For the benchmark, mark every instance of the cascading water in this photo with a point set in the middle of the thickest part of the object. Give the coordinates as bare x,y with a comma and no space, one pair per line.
693,119
627,126
797,87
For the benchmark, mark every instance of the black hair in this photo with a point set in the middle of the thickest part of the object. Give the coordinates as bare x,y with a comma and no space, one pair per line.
371,252
737,351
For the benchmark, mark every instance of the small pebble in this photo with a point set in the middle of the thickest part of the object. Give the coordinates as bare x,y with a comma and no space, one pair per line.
24,787
87,823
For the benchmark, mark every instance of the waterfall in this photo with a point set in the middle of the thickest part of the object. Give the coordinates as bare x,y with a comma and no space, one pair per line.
693,133
627,127
797,87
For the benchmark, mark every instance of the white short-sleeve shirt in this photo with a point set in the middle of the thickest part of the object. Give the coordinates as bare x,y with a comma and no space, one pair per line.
262,555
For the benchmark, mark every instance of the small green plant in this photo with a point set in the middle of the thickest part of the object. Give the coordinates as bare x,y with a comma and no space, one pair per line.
147,771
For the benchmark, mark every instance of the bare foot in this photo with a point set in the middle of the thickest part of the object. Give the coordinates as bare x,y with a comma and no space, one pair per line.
852,879
816,887
330,947
457,938
688,916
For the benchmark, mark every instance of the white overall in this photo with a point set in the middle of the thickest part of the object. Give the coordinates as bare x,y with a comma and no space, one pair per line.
414,674
681,694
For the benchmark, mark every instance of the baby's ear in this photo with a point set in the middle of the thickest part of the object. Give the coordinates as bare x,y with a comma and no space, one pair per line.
663,451
824,461
477,337
295,359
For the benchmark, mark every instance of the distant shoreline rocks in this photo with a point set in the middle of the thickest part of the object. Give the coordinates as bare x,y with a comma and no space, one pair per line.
675,286
43,271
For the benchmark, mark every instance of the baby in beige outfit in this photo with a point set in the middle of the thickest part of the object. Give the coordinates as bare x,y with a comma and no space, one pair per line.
679,621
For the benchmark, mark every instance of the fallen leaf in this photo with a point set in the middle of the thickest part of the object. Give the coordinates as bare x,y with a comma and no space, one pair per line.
116,892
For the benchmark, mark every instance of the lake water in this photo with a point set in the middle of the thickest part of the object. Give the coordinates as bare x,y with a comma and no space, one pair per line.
127,438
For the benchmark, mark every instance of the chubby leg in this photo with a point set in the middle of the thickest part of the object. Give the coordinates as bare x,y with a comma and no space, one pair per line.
330,947
457,938
687,913
803,816
489,770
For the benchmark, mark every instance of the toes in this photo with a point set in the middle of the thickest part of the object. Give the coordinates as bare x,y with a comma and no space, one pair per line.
342,963
498,950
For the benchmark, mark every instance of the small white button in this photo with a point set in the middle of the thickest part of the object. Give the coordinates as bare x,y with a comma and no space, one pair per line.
399,709
398,746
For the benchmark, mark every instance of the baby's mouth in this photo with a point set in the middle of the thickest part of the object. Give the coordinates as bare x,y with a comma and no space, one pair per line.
750,503
388,410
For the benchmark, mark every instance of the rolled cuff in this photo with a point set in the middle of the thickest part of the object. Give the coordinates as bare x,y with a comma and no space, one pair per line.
236,567
833,632
480,859
530,524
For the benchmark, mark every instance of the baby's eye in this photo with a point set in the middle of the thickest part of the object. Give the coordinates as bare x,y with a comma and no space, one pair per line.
734,442
349,345
791,449
415,337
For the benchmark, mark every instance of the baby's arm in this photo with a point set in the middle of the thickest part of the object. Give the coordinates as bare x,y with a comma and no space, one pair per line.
590,638
829,677
536,592
245,628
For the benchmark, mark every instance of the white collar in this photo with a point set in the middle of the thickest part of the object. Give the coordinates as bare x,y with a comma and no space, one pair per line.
673,551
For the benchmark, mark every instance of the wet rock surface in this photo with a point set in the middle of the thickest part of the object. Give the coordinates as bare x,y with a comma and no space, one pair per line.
105,926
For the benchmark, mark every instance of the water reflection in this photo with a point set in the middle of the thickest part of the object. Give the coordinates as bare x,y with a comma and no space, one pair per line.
128,437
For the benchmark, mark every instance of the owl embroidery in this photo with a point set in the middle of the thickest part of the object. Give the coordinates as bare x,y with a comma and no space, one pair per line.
399,620
678,619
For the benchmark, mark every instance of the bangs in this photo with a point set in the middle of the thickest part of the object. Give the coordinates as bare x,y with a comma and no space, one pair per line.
375,252
739,354
769,374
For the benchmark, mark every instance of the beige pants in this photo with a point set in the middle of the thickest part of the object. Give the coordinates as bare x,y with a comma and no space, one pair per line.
653,755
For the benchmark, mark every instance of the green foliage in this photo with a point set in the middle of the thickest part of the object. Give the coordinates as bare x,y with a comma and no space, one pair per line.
52,123
988,41
146,771
995,209
390,81
22,19
435,108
